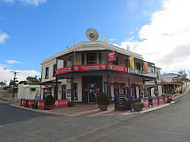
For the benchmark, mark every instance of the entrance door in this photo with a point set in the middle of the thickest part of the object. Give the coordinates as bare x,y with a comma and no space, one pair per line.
90,84
92,93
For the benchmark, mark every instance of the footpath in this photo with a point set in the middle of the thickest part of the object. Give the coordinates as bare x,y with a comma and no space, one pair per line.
92,109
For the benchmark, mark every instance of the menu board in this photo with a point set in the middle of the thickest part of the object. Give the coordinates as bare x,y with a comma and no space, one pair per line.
122,102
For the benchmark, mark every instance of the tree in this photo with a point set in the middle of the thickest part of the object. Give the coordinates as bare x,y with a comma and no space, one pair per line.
12,82
33,80
23,82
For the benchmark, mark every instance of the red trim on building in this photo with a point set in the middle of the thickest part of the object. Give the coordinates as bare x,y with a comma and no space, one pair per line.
94,67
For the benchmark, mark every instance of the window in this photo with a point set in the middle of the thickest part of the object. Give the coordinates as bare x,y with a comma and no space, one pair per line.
75,92
47,73
91,58
138,66
100,58
64,64
82,58
47,92
64,91
105,88
116,62
54,70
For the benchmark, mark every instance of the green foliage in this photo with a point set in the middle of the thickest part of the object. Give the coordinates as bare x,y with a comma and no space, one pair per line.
71,103
50,100
103,99
6,87
33,80
23,82
12,82
140,104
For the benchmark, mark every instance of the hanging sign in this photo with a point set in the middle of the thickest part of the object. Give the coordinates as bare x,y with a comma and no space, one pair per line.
112,56
145,68
131,60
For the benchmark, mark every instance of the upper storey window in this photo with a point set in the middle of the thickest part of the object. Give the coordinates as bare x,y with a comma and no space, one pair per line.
91,58
47,73
54,69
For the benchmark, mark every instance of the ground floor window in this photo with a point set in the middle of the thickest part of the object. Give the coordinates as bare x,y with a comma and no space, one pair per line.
75,92
63,91
47,91
105,88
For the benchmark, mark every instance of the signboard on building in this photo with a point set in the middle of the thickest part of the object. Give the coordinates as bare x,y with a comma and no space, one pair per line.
132,65
145,68
112,56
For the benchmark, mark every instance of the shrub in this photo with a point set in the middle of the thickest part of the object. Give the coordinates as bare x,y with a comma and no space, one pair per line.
35,105
71,103
50,100
103,99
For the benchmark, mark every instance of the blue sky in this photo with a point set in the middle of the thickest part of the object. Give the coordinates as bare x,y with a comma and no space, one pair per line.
37,32
37,29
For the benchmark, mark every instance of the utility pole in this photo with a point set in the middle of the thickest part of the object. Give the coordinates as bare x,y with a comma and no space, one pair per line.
14,80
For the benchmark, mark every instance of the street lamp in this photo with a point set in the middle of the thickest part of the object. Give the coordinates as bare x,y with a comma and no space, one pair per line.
14,79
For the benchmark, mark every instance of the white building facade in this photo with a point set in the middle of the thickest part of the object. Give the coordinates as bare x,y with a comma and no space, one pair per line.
82,72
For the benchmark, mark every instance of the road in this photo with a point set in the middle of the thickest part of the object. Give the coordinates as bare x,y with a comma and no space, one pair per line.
168,124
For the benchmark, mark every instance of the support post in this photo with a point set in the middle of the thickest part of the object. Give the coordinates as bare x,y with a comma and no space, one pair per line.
14,85
109,87
72,79
56,86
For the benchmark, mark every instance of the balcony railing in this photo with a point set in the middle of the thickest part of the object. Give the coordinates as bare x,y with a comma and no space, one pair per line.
96,67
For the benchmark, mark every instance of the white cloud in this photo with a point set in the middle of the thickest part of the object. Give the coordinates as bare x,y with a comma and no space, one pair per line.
3,37
6,74
31,2
165,40
12,62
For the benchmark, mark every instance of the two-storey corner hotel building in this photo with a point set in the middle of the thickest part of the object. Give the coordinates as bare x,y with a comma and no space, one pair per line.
87,69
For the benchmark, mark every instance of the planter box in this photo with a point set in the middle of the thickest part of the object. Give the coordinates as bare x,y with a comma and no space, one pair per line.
48,107
103,107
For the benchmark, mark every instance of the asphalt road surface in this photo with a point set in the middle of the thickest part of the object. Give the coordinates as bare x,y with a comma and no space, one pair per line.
168,124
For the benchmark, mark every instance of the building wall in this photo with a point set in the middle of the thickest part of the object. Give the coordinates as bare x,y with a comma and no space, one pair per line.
24,91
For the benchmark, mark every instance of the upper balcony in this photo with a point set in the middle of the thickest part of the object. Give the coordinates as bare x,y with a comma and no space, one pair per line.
102,68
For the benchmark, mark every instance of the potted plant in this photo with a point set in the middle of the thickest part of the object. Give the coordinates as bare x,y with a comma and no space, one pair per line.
49,102
35,105
138,106
103,101
71,103
26,104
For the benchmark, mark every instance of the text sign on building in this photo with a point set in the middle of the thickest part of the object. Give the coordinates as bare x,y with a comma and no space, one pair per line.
132,65
112,56
145,68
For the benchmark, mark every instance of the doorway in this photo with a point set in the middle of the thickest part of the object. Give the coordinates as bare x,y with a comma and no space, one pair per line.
91,88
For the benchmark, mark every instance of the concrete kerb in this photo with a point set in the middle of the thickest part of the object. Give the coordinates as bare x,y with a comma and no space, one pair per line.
79,114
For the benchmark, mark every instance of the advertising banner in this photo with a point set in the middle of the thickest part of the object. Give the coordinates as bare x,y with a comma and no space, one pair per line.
118,68
145,68
90,67
59,103
112,56
145,101
132,65
40,104
30,102
63,70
